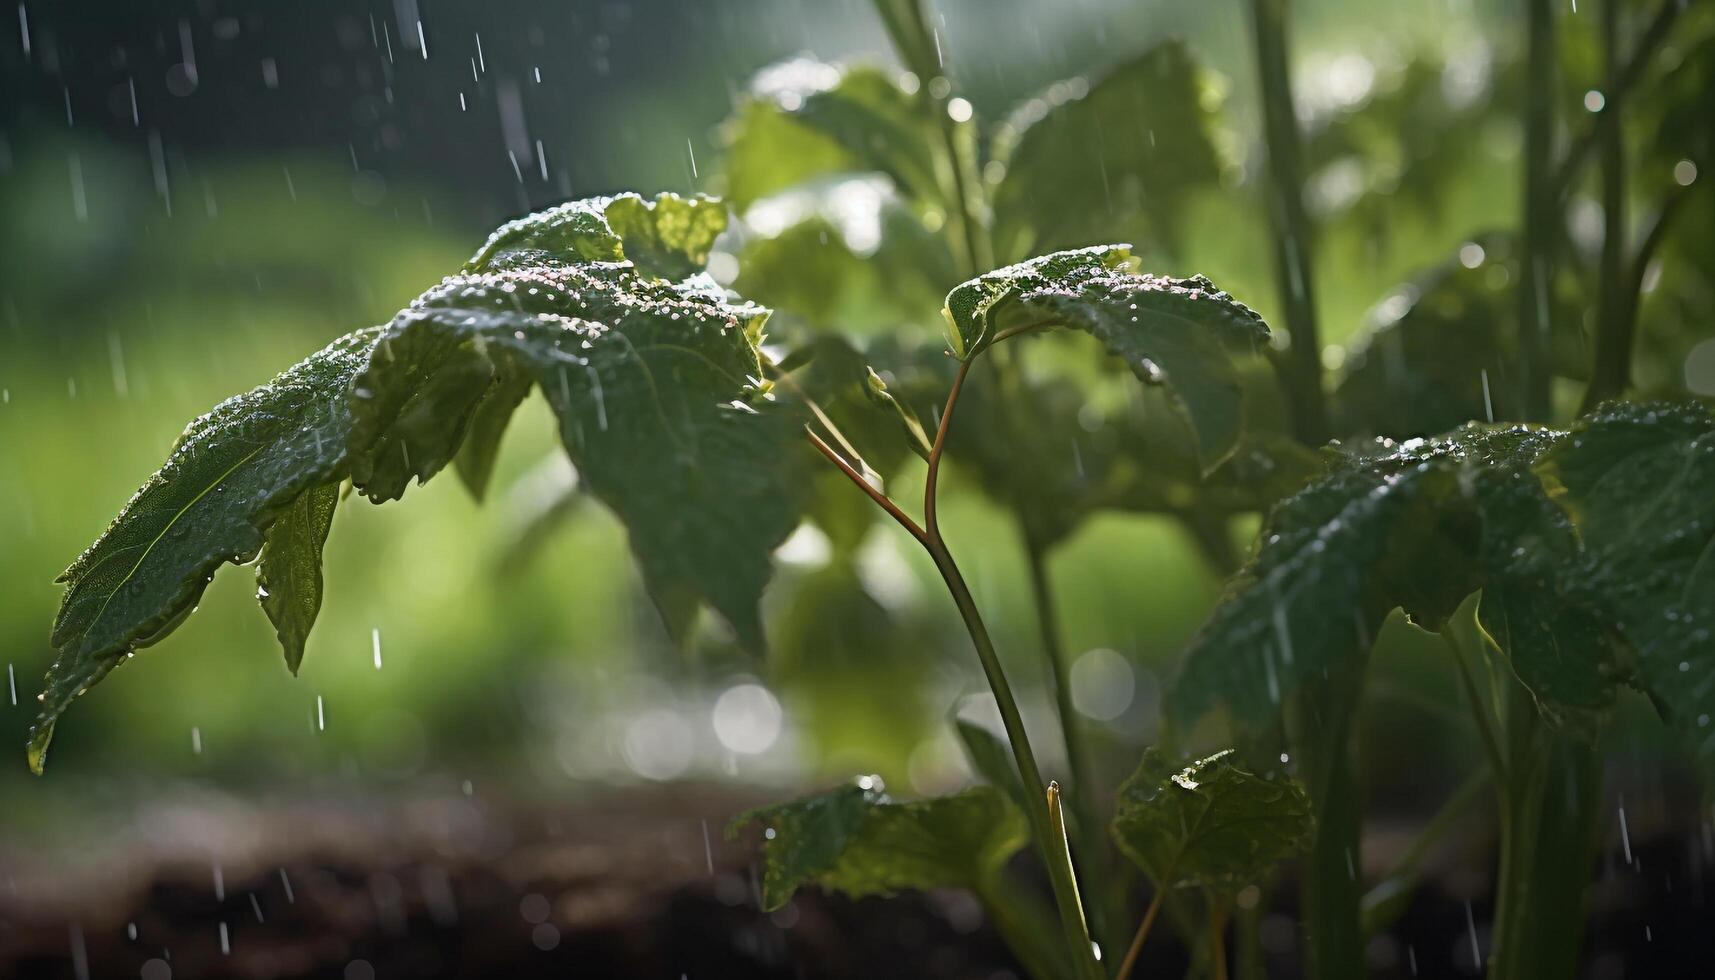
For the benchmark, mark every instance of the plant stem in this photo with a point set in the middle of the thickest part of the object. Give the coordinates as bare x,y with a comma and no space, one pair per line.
1541,214
1137,940
1549,831
1479,708
1050,844
1619,84
1218,940
1611,370
1292,232
1036,950
918,47
1332,890
1086,826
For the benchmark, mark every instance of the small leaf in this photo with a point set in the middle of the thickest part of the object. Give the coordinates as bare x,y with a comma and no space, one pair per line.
289,574
1182,333
229,476
808,119
991,759
1114,157
857,841
474,461
1209,823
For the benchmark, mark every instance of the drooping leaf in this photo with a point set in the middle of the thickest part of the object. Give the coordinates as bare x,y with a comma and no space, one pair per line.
289,573
808,119
1419,525
474,461
669,237
1113,158
1182,333
1209,823
1636,480
857,841
231,474
658,388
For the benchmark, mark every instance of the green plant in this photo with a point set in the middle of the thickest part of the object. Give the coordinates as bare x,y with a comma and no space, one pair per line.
1560,565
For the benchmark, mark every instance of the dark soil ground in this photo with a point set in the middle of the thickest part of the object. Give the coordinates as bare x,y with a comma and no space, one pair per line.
454,887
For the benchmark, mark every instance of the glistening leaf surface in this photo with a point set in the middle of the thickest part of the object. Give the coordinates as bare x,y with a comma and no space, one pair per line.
1181,333
232,472
1210,822
1419,525
1636,480
857,841
289,574
657,385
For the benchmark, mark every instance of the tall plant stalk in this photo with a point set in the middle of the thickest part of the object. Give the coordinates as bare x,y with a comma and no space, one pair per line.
1048,832
1611,371
1540,213
1293,246
1332,889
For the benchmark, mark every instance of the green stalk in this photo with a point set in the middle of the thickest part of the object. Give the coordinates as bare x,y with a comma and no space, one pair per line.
1550,825
1611,371
1540,214
1302,366
908,29
1332,887
1090,844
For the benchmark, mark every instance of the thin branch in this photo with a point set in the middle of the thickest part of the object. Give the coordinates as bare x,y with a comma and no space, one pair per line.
1142,934
881,499
931,522
1627,77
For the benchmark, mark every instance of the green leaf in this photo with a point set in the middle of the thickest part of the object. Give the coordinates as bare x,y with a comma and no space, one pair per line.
658,388
857,841
230,475
474,461
1437,353
1209,823
1420,525
991,759
1116,157
669,237
289,574
808,119
1636,479
845,254
1182,333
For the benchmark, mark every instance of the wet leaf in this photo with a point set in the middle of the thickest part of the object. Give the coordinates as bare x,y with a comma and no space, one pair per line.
1636,479
289,574
1419,525
230,475
474,461
1115,157
1209,823
858,841
1181,333
658,388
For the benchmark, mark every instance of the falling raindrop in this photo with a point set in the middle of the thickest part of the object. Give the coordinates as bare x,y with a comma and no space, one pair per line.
375,645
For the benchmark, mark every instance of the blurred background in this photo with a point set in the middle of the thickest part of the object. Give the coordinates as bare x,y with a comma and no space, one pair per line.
197,194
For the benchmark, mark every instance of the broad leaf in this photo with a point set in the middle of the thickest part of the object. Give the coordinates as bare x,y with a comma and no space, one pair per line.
231,474
1182,333
1420,525
857,841
1111,158
1209,823
474,461
1636,480
808,119
657,385
289,574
